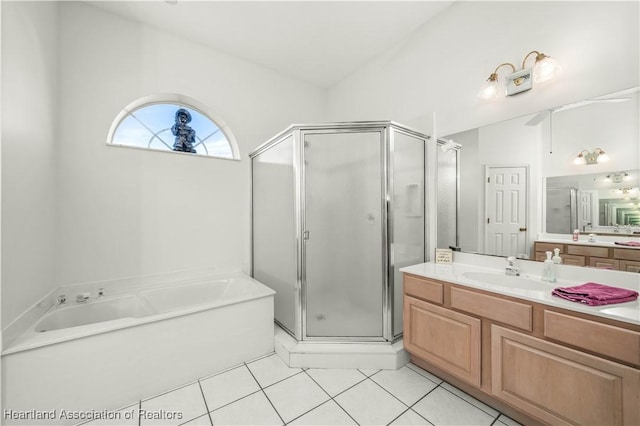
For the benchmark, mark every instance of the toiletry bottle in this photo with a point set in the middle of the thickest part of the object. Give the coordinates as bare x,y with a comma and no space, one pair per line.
548,272
576,234
557,260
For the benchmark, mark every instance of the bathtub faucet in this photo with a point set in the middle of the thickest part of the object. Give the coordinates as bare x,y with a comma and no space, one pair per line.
61,299
82,297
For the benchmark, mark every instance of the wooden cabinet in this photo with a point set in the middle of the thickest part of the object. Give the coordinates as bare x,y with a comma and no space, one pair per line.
624,259
447,339
629,266
562,386
539,364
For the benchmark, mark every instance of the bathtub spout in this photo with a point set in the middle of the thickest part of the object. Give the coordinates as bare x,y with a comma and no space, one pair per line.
62,299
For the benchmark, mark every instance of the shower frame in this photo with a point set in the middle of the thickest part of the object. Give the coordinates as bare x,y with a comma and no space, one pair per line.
388,130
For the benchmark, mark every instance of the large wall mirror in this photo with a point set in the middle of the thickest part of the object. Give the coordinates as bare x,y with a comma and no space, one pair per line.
517,180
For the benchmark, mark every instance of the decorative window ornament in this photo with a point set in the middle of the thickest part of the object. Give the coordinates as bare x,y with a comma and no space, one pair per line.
168,123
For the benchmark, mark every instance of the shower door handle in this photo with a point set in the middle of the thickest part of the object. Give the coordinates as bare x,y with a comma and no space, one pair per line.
305,235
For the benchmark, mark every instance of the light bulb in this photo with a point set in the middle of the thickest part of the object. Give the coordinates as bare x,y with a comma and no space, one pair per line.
603,157
579,160
545,69
492,89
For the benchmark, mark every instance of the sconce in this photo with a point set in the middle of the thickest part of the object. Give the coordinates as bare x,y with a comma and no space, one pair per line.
617,177
545,68
595,157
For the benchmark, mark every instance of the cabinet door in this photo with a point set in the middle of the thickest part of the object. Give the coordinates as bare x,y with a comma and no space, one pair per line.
449,340
599,262
629,266
574,260
562,386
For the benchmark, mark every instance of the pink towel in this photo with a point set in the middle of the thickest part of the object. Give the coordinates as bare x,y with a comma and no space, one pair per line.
628,243
594,294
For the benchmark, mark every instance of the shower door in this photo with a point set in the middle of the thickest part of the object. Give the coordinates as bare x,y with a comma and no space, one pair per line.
344,264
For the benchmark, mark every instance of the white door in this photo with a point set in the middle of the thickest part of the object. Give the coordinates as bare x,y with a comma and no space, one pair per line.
506,211
586,215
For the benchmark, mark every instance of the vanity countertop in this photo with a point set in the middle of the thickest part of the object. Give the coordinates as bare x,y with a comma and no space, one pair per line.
533,288
597,243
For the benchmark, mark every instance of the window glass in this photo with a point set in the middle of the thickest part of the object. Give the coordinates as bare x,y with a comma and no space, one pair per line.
172,126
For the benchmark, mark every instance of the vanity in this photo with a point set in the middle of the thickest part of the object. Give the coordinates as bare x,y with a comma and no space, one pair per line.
598,254
510,343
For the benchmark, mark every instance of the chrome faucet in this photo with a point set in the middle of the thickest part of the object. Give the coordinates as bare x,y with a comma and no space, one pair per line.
512,269
82,297
62,299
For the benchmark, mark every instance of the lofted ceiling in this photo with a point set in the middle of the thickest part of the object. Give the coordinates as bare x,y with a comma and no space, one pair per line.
320,42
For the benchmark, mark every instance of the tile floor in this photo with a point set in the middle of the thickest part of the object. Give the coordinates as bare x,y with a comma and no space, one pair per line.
267,392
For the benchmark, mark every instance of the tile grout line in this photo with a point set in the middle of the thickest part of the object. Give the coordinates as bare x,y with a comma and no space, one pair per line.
206,406
443,381
265,394
415,403
331,398
473,405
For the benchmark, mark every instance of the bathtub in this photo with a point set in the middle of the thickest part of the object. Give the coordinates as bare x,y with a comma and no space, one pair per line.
134,342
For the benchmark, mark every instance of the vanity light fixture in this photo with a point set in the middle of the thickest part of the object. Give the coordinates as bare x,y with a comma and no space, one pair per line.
544,69
617,177
595,157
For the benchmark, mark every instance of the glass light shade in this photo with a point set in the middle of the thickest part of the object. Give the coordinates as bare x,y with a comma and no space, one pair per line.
492,89
545,70
603,157
579,160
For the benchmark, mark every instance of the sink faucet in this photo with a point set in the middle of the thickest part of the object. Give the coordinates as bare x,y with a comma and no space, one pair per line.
512,269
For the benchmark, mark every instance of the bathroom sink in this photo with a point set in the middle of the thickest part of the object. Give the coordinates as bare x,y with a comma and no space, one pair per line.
505,280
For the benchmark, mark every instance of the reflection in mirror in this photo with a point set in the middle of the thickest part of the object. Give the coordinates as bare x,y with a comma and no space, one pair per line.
447,236
545,144
599,203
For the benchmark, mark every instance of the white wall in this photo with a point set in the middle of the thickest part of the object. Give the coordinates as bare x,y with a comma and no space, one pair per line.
441,67
128,212
75,209
29,105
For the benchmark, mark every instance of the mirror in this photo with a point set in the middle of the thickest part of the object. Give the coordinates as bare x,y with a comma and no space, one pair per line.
507,170
600,203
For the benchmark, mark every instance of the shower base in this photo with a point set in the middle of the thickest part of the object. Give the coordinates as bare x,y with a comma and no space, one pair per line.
378,356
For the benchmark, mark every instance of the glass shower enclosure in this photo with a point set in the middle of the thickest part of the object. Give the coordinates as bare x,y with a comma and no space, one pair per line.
337,209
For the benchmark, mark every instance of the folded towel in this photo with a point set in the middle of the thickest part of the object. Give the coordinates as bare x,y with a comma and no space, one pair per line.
594,294
628,243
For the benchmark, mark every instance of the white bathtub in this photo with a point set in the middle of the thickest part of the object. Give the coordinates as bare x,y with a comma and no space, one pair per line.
122,347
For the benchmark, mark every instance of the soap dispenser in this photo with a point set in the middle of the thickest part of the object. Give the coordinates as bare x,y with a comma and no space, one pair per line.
556,256
548,270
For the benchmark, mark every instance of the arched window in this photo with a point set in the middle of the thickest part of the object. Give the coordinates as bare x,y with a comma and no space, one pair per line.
172,123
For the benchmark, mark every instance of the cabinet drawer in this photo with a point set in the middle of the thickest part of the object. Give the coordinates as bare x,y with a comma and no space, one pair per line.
549,247
604,339
505,311
588,251
423,289
573,260
626,254
629,266
599,262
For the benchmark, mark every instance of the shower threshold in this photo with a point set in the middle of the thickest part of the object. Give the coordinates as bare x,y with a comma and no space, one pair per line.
377,356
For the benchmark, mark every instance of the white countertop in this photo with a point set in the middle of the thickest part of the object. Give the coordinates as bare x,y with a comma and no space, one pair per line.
538,291
584,242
